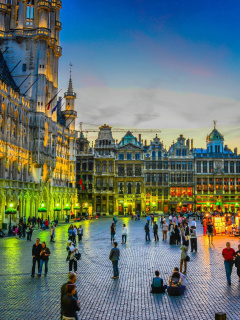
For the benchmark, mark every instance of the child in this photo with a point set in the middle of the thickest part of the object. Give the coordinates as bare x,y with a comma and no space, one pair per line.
16,232
157,284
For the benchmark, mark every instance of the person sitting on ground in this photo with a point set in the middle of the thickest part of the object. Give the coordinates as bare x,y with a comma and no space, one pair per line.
2,234
175,287
157,284
183,277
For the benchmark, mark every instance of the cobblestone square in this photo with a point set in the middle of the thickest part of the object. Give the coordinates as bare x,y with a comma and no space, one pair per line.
129,297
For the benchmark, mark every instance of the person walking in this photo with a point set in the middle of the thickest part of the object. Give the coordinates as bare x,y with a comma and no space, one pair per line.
70,305
155,231
44,257
114,257
112,232
147,231
204,223
164,230
193,239
72,278
36,249
51,234
210,229
187,233
29,233
72,250
80,233
74,234
184,250
228,254
124,234
182,232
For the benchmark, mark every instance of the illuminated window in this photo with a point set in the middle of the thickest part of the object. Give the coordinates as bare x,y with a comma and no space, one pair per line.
173,192
30,13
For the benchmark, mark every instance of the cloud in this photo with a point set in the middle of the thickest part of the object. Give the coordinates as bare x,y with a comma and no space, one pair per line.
173,112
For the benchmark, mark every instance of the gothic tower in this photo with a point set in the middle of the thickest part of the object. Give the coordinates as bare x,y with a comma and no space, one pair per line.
29,38
70,113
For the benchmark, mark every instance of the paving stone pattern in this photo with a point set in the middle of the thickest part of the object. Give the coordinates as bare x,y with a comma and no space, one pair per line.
129,297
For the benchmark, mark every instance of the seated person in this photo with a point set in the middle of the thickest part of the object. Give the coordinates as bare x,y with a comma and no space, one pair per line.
2,234
157,285
183,277
175,287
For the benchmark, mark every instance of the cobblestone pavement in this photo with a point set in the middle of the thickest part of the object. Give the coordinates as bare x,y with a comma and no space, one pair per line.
129,297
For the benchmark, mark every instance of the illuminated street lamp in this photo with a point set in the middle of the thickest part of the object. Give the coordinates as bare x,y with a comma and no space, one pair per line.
11,210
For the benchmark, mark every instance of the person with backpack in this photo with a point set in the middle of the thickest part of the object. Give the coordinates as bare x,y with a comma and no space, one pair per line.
147,231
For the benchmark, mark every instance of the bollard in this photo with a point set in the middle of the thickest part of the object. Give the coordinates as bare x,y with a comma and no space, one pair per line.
220,316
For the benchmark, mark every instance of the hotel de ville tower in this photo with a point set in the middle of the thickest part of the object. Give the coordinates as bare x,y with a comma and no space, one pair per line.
37,137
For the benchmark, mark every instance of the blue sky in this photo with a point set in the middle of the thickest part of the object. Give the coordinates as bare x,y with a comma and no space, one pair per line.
173,63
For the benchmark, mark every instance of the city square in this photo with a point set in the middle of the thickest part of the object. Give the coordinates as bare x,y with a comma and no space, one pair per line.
111,115
129,297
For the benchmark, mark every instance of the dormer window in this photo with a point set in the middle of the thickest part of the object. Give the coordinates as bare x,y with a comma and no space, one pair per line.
30,13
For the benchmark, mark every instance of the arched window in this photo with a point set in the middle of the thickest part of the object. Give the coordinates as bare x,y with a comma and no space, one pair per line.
30,13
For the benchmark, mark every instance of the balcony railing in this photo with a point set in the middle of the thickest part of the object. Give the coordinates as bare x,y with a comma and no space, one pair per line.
58,25
44,4
3,7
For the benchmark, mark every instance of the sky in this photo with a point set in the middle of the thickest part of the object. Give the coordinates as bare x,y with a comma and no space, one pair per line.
170,65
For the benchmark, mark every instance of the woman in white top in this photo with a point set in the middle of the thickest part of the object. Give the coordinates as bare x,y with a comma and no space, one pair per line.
124,233
164,230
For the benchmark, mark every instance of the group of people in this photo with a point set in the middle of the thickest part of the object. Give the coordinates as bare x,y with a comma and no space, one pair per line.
40,256
231,258
21,230
176,284
73,232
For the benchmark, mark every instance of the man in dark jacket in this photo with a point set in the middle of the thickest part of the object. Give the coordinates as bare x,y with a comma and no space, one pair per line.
70,305
147,231
114,257
155,231
71,280
36,249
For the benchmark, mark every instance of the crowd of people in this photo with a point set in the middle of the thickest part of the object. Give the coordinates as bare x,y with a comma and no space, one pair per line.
178,230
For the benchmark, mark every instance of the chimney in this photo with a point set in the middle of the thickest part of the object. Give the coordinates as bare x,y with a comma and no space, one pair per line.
117,141
235,151
139,138
191,143
145,143
187,143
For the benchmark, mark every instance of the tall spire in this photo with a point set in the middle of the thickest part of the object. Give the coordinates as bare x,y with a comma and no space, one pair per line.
70,91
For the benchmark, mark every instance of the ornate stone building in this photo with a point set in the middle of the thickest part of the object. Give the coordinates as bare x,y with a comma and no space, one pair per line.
217,175
129,177
37,139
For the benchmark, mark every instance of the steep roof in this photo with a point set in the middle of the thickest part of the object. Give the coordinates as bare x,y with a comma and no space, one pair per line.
5,74
215,135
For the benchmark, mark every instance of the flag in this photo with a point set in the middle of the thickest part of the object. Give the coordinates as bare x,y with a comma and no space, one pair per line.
49,103
57,106
81,182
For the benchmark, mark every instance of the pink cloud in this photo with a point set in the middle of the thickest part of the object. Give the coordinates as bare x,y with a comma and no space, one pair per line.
90,80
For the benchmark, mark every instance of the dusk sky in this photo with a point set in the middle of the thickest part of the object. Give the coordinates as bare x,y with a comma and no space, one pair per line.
171,65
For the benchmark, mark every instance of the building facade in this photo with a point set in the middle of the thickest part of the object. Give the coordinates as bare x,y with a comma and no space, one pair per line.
38,141
130,177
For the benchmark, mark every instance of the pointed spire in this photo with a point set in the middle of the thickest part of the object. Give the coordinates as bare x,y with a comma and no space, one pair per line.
70,91
70,86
